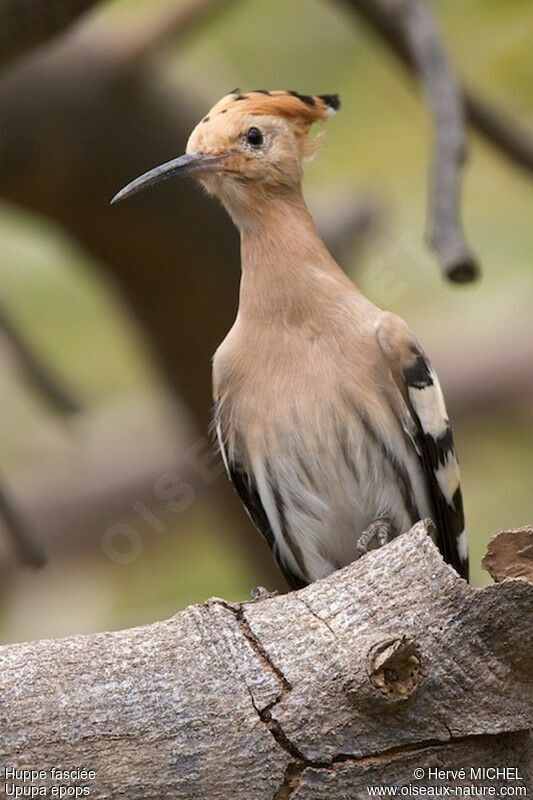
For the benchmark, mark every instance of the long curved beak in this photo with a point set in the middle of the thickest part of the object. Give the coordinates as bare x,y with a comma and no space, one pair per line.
188,164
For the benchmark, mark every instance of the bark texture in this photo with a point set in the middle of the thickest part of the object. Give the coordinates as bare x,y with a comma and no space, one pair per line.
390,664
510,554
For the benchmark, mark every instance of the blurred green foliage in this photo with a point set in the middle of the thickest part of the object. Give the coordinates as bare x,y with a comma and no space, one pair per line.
380,141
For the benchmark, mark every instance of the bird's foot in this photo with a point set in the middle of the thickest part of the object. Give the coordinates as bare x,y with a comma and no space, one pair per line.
260,593
378,531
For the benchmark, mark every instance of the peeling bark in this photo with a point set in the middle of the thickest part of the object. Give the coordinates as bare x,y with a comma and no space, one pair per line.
389,664
510,554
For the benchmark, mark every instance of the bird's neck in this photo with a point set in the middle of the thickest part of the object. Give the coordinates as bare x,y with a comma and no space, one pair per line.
285,264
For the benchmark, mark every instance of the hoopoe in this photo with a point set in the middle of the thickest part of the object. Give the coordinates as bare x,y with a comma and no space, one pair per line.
330,419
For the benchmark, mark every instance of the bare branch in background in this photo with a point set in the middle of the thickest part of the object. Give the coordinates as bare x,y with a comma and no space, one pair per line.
445,230
27,549
314,695
409,28
510,137
501,131
46,386
27,23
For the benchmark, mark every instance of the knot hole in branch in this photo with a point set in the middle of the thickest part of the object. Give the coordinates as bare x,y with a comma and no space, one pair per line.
395,668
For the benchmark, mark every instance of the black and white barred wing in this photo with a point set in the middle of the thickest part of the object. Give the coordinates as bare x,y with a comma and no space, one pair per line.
244,483
428,426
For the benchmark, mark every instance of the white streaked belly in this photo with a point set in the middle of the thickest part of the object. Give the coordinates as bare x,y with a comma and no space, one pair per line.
322,480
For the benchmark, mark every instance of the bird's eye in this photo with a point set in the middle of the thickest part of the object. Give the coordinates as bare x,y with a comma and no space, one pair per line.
254,137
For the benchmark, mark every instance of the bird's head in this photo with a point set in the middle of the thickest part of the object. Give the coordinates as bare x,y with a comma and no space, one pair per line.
249,145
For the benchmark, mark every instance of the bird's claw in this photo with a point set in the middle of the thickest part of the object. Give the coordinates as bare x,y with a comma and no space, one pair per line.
378,531
260,593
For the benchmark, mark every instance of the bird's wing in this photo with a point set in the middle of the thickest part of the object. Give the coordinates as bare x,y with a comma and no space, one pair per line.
244,484
429,429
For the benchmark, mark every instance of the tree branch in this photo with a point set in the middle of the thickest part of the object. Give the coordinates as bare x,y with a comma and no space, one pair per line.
315,694
510,137
408,27
510,555
501,131
445,231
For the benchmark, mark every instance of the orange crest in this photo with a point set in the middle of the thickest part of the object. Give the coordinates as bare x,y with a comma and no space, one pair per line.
300,109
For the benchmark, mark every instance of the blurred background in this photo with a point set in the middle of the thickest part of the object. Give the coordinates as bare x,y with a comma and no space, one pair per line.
109,316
